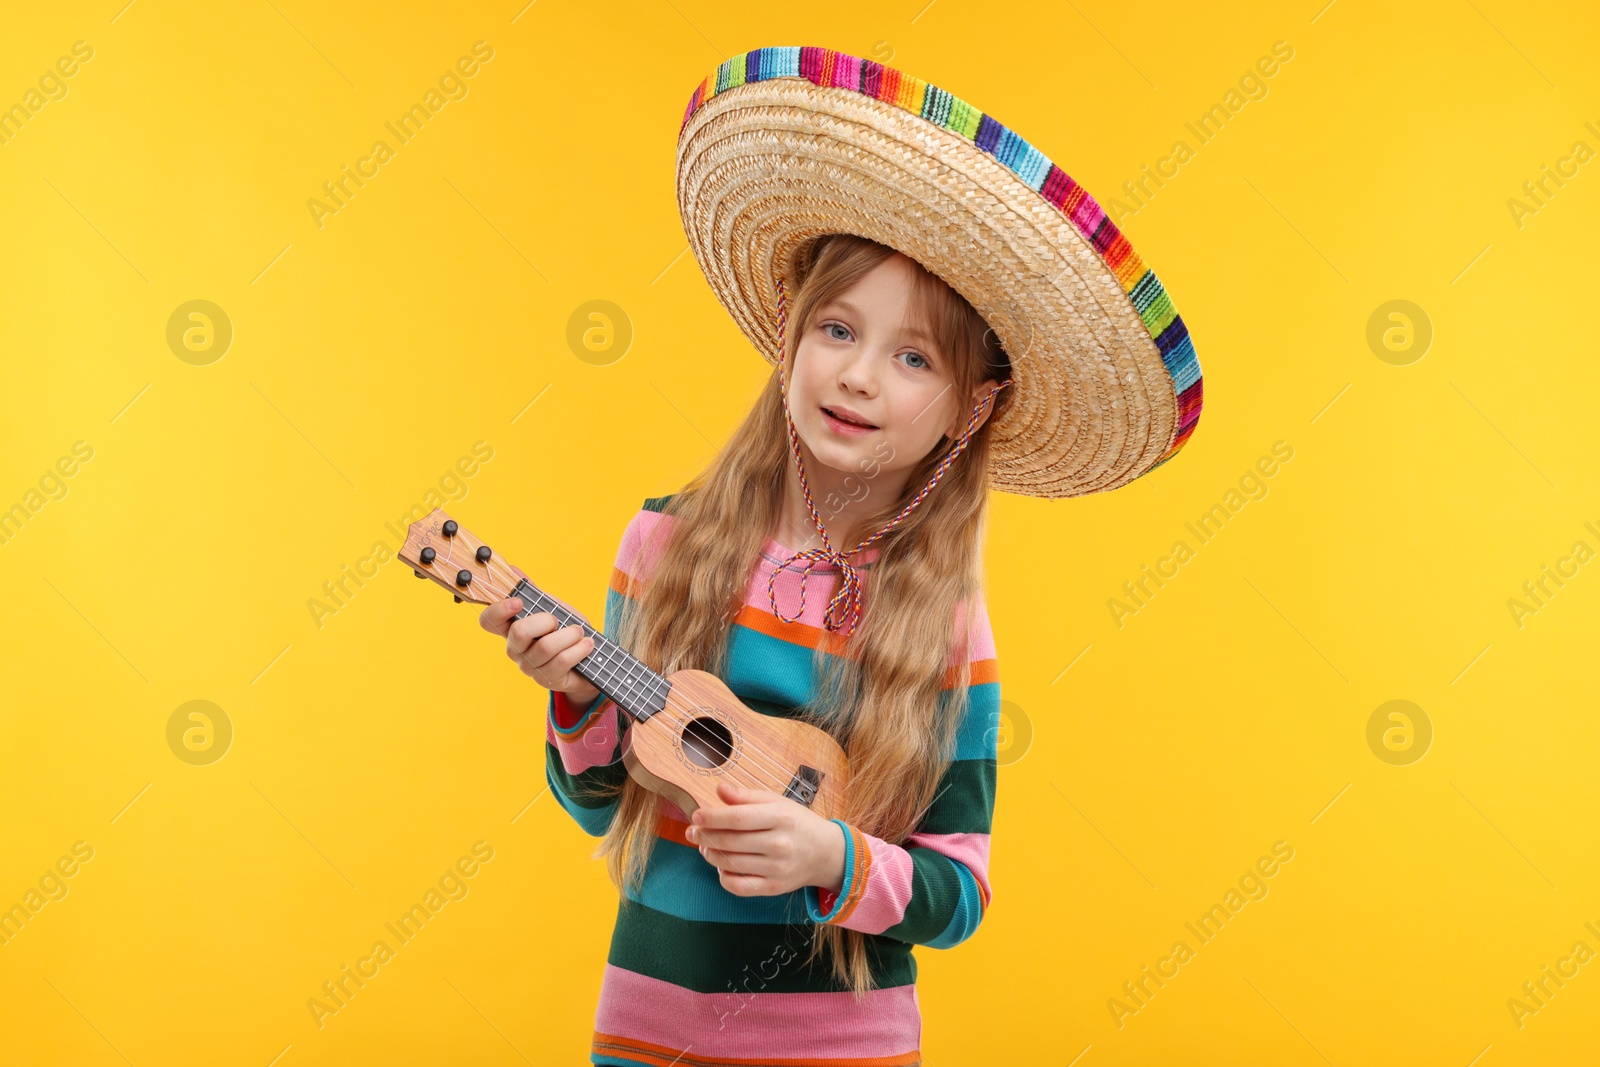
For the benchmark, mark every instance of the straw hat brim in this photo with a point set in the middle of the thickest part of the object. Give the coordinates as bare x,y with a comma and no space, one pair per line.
782,145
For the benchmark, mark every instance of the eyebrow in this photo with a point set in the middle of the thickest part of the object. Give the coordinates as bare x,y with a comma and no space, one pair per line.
910,331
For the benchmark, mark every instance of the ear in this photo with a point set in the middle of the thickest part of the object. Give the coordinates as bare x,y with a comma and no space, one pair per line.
958,421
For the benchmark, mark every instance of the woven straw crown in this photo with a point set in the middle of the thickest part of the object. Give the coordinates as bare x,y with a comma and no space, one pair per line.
781,145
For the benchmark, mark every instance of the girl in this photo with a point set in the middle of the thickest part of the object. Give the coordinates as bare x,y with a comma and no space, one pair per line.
757,932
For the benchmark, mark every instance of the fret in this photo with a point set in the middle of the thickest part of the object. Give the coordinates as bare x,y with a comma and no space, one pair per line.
610,668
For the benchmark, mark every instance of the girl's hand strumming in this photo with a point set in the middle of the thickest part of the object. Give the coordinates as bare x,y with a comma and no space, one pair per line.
544,649
764,844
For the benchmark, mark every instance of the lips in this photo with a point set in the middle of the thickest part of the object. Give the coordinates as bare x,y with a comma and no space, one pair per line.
849,418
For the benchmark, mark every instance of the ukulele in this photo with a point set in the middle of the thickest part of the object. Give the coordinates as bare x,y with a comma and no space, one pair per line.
689,731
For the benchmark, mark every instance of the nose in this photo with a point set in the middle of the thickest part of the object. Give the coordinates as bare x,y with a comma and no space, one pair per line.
859,373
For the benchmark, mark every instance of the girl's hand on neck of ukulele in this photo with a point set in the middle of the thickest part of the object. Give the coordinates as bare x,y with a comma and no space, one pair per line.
545,650
763,844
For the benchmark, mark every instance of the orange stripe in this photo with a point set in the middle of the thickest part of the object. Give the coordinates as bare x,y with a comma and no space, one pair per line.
625,583
665,1056
889,86
594,716
671,829
802,634
983,670
858,884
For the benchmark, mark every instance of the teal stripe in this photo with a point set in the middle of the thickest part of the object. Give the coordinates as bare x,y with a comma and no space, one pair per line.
781,62
968,911
813,896
680,883
1187,370
588,716
593,821
765,668
978,736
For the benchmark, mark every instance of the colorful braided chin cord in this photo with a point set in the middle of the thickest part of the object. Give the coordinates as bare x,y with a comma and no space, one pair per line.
844,610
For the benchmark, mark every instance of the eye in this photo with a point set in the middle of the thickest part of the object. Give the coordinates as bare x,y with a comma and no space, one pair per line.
924,364
837,326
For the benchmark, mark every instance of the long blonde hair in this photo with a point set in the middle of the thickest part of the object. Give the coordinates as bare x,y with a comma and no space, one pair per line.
879,691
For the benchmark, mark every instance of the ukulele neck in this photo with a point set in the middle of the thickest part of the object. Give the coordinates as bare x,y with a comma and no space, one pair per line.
635,688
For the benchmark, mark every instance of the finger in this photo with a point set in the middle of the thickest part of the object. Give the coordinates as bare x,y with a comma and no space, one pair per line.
525,631
571,656
743,863
737,817
746,885
757,842
734,793
497,617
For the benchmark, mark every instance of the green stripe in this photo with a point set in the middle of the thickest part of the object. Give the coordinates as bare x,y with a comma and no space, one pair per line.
935,893
964,801
741,957
582,788
964,118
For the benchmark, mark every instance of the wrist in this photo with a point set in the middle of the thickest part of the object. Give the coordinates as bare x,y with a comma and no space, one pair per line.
582,697
830,872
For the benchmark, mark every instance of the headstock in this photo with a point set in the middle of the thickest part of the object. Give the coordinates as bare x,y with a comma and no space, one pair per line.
440,548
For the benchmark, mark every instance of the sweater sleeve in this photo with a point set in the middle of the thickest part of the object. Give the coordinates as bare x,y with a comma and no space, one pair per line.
934,889
583,746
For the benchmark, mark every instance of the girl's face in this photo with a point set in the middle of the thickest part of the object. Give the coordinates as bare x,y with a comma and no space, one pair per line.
863,360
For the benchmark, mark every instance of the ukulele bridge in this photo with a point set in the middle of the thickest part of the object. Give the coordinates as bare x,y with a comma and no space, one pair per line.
803,788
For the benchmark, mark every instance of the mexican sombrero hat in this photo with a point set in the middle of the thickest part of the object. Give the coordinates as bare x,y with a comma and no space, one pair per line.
781,145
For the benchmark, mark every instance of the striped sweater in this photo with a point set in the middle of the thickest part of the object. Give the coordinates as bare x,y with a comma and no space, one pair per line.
697,976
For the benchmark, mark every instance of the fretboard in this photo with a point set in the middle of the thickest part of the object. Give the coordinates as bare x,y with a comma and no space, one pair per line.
637,689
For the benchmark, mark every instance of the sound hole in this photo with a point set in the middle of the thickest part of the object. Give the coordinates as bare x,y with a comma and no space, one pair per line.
707,742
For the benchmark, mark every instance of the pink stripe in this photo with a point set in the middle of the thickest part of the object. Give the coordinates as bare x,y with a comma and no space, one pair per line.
1087,216
846,71
746,1023
822,584
640,551
980,636
888,890
969,849
644,539
593,747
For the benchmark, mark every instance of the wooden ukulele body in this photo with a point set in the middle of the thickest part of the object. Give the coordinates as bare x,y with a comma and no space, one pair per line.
706,735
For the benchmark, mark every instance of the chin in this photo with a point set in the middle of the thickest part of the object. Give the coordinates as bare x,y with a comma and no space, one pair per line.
831,451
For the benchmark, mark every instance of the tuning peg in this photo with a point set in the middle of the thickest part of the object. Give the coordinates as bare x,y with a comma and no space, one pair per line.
450,528
483,553
458,600
426,555
463,578
418,573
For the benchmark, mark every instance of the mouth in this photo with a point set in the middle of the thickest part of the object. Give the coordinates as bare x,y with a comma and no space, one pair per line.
838,420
